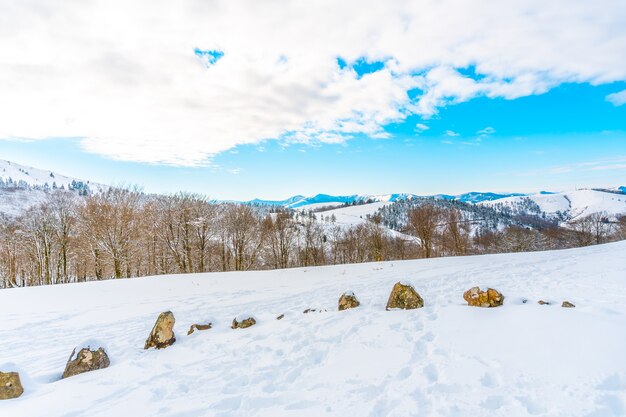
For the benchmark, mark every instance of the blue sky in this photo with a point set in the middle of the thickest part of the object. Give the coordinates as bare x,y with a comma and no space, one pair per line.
237,100
568,137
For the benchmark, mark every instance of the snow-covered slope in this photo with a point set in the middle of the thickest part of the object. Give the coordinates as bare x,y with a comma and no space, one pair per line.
14,201
353,215
22,187
356,198
37,177
577,203
445,359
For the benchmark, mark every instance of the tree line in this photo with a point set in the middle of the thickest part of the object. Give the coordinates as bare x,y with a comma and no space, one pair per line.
452,228
124,233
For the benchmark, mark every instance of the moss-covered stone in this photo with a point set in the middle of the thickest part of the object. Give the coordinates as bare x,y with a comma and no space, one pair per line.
195,327
348,300
477,298
86,360
162,334
10,385
404,297
250,321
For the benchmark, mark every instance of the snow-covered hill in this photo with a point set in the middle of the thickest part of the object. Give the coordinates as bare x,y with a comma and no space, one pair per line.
22,187
17,174
446,359
576,203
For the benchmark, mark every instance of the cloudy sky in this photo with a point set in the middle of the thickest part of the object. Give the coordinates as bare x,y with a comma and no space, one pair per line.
241,99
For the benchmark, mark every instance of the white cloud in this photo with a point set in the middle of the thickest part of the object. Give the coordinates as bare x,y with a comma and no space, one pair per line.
451,133
486,131
123,76
421,127
617,99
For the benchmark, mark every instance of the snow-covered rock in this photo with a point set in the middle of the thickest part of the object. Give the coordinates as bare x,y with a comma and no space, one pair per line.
162,334
86,359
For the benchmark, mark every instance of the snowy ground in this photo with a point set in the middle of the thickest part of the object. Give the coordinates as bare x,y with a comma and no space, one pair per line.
353,215
446,359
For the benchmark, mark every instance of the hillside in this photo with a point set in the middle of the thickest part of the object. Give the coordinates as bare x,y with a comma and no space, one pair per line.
446,359
21,175
574,204
22,187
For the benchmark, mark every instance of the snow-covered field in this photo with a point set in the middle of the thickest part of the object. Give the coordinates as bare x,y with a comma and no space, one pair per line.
353,215
446,359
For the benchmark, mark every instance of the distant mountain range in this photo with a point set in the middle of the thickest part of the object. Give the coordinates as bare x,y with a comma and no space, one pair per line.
298,201
23,186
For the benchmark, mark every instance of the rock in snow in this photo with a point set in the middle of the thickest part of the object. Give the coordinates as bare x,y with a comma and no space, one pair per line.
243,323
477,298
567,304
162,334
10,385
348,300
195,327
405,297
86,360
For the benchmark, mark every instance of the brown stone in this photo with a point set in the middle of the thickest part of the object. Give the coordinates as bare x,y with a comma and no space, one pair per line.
404,297
567,304
348,300
477,298
162,334
543,303
250,321
195,327
87,360
10,385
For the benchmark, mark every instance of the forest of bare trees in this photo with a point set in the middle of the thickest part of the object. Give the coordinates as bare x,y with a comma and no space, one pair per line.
123,233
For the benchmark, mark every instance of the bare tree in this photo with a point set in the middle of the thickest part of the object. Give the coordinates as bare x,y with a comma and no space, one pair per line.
242,232
423,222
280,233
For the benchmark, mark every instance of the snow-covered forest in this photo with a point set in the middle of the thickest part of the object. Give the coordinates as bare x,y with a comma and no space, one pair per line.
122,233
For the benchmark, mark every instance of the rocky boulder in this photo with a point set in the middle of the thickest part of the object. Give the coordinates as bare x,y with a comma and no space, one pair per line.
567,304
543,303
348,300
10,385
242,324
162,334
405,297
477,298
85,361
195,327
